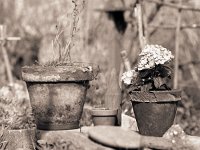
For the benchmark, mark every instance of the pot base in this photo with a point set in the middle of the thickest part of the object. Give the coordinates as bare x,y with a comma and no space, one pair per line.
102,116
66,126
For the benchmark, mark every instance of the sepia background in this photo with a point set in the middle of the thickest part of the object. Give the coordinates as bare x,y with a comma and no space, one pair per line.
107,27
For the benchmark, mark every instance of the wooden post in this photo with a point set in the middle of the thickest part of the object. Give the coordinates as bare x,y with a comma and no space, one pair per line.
126,62
113,92
3,40
176,63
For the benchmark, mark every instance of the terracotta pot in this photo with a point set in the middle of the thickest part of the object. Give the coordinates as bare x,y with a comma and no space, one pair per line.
155,111
58,94
22,138
102,116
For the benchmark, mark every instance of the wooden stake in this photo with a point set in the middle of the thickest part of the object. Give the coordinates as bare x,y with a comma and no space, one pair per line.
140,25
145,23
125,60
3,40
112,96
176,63
5,55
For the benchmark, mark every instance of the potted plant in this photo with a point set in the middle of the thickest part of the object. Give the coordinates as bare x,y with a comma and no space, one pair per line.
154,102
58,89
16,119
104,116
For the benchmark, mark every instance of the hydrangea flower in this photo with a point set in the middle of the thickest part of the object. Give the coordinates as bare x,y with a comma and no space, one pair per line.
128,76
153,55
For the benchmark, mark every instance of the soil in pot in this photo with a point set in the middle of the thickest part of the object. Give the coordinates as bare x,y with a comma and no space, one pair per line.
155,112
102,116
22,138
58,94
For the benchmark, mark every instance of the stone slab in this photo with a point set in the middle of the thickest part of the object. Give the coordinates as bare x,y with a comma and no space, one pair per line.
71,139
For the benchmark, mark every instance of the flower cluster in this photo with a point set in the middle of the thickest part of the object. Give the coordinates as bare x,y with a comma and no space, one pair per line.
153,55
127,77
152,72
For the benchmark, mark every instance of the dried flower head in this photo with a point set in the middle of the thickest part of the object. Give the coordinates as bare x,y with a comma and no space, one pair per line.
153,55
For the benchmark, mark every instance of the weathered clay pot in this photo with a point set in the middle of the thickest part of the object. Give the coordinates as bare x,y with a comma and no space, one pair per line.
155,111
58,94
22,138
102,116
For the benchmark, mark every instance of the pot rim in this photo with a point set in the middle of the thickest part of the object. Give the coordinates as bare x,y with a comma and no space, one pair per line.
156,96
103,112
60,73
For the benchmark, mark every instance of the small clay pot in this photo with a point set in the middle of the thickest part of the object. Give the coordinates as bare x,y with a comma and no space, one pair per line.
155,111
102,116
22,138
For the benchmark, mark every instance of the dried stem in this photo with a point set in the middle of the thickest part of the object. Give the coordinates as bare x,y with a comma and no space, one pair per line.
64,50
179,7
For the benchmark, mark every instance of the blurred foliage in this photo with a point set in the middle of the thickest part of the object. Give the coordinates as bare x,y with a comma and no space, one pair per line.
100,42
15,112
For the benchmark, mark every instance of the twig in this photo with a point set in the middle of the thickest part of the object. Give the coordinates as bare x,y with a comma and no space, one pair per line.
180,6
176,63
111,9
58,42
193,26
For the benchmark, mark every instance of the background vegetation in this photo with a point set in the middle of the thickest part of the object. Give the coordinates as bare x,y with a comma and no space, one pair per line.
102,35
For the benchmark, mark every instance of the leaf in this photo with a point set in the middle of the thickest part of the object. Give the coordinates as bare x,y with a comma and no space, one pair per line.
158,82
146,87
145,73
163,71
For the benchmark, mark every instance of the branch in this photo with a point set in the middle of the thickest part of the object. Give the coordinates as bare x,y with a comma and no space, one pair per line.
193,26
180,7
